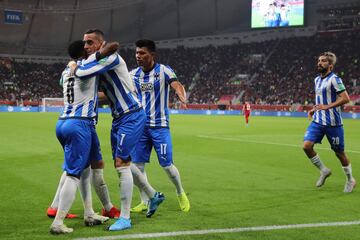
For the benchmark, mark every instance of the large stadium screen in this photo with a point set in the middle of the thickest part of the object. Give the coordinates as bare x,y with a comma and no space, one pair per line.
274,13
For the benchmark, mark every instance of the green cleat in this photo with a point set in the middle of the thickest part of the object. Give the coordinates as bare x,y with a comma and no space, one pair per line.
184,202
141,207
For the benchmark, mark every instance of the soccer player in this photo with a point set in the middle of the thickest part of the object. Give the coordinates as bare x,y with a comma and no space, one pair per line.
128,119
246,110
330,94
97,179
153,81
75,131
284,16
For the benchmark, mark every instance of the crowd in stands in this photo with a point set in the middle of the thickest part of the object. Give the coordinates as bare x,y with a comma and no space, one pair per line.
279,71
287,76
29,81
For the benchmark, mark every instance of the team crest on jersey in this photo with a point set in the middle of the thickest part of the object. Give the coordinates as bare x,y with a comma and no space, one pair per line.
156,76
102,61
147,87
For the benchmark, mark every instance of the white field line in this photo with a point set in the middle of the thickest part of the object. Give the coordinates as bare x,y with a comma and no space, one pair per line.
224,230
264,142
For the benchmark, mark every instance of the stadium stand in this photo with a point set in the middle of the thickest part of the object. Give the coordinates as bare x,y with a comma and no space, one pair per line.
278,72
275,70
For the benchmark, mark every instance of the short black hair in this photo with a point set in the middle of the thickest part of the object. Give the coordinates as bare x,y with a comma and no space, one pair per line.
149,44
96,31
76,49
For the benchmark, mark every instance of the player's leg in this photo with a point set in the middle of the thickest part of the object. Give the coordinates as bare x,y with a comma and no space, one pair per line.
247,119
125,133
55,203
150,198
140,156
67,196
142,206
90,217
102,191
154,198
51,211
314,134
98,181
76,146
335,136
163,146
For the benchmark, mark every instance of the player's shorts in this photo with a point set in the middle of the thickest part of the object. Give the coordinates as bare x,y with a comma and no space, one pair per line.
126,132
334,134
80,143
160,139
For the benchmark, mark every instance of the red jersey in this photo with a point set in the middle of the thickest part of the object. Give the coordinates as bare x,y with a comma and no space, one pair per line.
246,108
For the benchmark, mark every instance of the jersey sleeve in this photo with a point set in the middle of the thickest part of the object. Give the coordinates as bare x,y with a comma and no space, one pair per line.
92,67
170,75
90,59
64,74
338,84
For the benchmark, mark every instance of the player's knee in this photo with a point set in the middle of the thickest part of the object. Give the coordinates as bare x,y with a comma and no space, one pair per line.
121,162
339,153
166,164
73,175
307,146
135,171
97,164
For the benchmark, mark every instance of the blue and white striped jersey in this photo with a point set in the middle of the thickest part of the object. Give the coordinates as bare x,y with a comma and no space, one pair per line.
326,90
115,81
153,91
80,96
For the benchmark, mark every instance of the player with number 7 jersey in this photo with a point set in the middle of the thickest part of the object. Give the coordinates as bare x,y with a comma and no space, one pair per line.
128,118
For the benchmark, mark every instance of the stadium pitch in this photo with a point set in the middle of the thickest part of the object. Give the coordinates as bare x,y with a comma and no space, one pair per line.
237,177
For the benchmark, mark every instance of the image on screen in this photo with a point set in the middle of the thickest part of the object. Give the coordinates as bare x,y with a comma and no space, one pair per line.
277,13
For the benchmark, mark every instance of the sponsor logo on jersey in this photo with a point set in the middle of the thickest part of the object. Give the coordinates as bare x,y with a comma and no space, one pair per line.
147,87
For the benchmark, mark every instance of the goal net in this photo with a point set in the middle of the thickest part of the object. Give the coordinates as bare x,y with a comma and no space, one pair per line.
52,104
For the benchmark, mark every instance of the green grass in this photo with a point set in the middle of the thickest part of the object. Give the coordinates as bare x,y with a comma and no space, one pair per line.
257,19
232,181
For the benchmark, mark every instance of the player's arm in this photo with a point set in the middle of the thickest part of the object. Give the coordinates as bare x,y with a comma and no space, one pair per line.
61,81
102,98
342,98
106,50
311,112
179,90
98,65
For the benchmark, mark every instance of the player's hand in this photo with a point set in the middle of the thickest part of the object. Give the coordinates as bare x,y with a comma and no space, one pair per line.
311,113
319,107
72,65
103,45
183,106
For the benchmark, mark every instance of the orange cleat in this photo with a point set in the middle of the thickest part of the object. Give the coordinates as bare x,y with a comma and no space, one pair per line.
51,212
113,213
